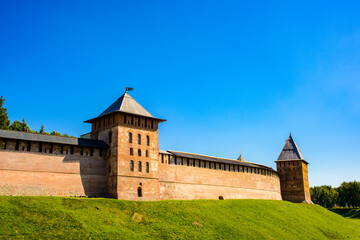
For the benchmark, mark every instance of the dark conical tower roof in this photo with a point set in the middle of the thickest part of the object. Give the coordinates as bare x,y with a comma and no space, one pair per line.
126,104
290,151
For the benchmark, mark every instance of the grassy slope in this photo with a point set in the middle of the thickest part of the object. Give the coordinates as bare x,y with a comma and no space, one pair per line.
46,217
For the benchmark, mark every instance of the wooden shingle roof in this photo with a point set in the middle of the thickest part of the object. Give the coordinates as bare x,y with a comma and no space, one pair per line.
36,137
127,104
290,151
217,159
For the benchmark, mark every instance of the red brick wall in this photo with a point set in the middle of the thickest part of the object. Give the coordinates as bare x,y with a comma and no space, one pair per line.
124,183
33,173
184,182
294,180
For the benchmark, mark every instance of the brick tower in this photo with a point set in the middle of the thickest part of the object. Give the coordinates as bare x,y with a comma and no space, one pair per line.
132,159
293,172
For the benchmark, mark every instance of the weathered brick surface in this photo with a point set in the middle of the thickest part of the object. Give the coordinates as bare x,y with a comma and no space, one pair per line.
184,182
294,180
29,173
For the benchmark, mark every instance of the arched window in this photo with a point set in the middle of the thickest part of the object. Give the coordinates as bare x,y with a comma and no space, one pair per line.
147,140
130,137
139,139
139,190
139,152
131,165
139,166
147,154
147,167
131,151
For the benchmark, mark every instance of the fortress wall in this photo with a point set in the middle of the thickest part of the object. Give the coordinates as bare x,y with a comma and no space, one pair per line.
33,173
184,182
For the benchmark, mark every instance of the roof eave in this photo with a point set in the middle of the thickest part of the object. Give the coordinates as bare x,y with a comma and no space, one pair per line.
93,119
284,160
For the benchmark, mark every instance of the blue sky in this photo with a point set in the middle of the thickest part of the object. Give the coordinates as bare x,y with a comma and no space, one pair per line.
228,76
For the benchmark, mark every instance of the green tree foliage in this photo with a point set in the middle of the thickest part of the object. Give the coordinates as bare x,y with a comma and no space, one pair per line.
55,133
349,194
42,130
16,126
4,119
20,126
325,196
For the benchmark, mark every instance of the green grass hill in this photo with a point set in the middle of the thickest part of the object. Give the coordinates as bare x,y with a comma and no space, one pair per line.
83,218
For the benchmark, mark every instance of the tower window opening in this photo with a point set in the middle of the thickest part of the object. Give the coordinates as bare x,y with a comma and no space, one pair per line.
50,148
81,151
71,150
147,153
147,140
139,191
139,165
131,151
139,139
146,123
132,120
28,146
110,137
152,123
139,152
132,165
16,145
130,137
147,167
91,151
125,118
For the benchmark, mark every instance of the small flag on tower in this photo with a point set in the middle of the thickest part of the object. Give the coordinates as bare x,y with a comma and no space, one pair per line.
128,89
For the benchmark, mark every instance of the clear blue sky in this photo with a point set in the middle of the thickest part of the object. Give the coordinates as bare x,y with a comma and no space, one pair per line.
228,76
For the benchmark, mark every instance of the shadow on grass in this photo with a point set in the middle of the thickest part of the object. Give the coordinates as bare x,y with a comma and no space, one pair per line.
347,212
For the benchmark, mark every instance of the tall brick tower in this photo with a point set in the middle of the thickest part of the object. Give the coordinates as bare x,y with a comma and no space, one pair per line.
293,172
132,159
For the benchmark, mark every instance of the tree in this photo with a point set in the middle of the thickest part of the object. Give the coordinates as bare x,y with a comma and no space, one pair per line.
4,119
42,130
349,194
16,126
325,196
20,126
25,127
55,133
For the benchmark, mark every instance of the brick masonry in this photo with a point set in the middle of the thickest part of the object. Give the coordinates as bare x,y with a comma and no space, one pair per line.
64,170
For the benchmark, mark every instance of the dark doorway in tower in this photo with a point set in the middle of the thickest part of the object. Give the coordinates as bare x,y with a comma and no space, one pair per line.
221,198
139,191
